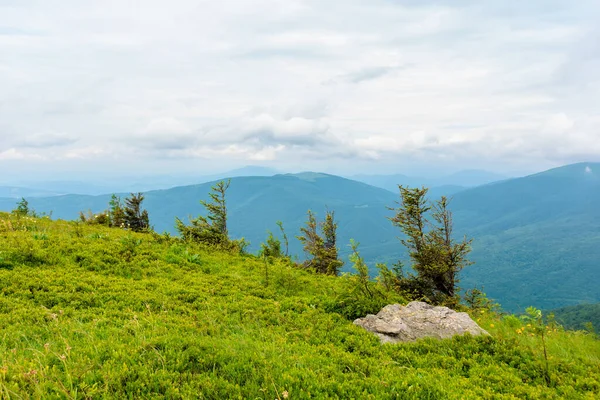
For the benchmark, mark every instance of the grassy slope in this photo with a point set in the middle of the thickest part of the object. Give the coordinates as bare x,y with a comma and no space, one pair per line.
88,312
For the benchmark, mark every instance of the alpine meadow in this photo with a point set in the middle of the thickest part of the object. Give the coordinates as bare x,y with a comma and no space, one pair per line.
96,312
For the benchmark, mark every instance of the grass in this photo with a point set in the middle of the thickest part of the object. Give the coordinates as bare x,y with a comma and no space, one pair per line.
91,312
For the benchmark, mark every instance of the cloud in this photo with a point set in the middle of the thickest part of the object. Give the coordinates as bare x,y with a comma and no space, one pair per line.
365,74
369,73
262,136
46,140
85,153
302,82
13,31
165,133
14,154
266,129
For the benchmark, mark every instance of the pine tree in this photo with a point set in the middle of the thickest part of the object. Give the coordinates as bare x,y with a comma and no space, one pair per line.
271,248
23,208
116,213
322,249
217,209
211,229
312,243
331,261
451,255
134,217
285,238
436,257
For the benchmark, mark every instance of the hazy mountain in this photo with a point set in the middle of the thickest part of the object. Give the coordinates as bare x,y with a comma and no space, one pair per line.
125,184
19,192
390,182
444,185
57,187
537,238
250,170
468,178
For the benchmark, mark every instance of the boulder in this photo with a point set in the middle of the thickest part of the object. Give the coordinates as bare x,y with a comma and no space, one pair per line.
396,323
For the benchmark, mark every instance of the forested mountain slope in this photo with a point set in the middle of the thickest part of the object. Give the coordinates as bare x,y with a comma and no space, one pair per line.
537,238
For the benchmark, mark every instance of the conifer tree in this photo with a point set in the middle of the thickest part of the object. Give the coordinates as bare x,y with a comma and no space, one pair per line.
312,243
332,263
322,249
271,248
23,208
134,217
436,257
217,208
116,213
451,255
285,238
211,229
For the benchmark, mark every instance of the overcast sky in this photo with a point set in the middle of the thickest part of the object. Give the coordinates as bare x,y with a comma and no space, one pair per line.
335,85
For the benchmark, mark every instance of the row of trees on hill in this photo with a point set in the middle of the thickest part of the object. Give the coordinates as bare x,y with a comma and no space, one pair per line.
121,214
436,257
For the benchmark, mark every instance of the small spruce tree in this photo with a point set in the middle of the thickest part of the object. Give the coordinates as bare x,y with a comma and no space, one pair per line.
285,238
436,257
312,243
134,217
322,249
271,248
116,212
332,263
23,208
211,229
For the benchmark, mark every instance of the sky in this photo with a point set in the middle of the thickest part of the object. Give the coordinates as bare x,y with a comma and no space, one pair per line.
343,86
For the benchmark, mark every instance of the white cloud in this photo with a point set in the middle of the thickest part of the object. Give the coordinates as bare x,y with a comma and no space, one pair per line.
165,133
85,153
47,140
14,154
455,83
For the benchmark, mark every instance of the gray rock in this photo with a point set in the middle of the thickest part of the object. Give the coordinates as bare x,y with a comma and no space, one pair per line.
395,323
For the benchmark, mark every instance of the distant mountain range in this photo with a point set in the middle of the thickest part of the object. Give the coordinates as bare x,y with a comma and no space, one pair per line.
445,185
123,183
537,238
19,192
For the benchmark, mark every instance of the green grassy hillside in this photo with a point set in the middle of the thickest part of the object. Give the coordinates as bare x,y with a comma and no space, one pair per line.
90,312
